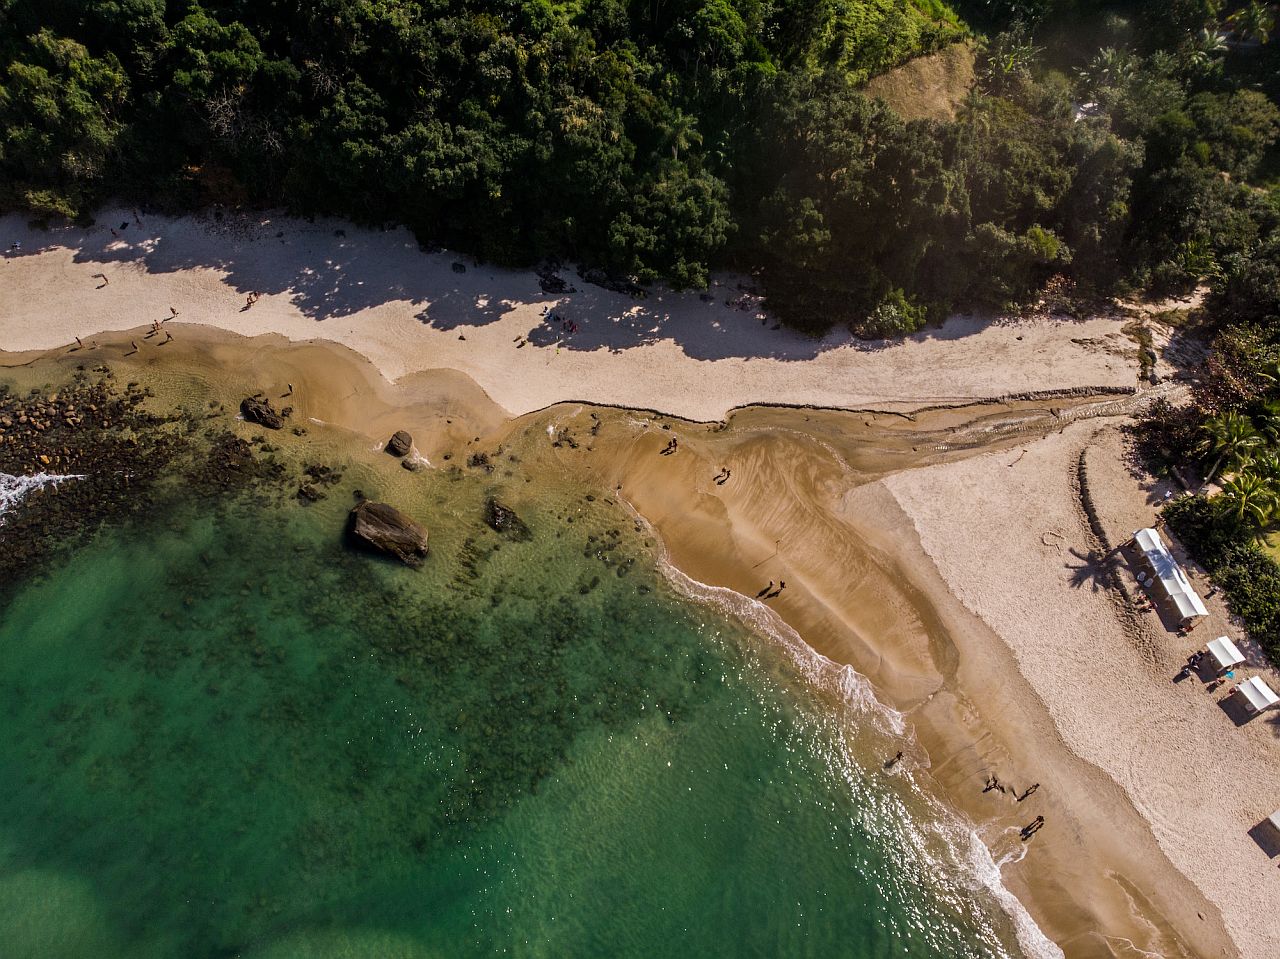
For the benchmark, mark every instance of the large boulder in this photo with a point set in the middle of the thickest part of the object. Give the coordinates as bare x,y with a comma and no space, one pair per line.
503,519
259,411
387,529
400,443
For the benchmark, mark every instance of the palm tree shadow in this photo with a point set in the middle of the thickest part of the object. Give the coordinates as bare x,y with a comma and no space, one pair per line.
1094,570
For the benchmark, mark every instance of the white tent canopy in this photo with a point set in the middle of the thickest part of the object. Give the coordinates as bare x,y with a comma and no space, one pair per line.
1257,695
1224,653
1172,579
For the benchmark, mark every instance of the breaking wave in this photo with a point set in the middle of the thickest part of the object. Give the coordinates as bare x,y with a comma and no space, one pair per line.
14,488
941,842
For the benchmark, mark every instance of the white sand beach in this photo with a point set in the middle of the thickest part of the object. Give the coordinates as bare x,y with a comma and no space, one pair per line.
407,311
1105,671
982,553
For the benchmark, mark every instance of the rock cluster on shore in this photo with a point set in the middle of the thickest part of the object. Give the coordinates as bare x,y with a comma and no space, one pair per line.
260,411
131,458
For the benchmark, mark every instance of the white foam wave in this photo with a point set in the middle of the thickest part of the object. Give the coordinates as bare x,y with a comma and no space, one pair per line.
1030,937
854,692
14,488
846,683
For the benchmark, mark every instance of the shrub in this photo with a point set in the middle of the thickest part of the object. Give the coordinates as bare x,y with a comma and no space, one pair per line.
1248,576
895,315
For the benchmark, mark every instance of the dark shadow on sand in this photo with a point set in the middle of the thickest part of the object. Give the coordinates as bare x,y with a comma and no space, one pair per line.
333,270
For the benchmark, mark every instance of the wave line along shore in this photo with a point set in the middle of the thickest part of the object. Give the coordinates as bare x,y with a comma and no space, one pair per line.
408,312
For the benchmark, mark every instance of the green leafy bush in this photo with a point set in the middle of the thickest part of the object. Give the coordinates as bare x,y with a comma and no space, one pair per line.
1248,576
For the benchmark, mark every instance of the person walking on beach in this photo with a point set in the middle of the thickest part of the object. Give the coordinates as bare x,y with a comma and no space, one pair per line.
765,591
168,337
134,344
894,761
79,344
1031,828
1030,789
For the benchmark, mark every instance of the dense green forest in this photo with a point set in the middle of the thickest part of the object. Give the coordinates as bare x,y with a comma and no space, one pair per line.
1108,147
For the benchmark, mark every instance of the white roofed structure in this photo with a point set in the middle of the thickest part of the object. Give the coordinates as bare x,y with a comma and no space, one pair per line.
1257,695
1224,653
1173,581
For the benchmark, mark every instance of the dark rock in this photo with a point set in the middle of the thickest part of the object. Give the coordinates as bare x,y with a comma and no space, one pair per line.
459,268
259,411
309,494
551,283
387,529
414,465
400,443
503,519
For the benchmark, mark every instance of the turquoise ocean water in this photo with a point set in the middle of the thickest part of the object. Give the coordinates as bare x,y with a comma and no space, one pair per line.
225,734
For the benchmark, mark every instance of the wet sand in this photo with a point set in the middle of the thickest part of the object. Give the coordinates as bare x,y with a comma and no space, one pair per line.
831,503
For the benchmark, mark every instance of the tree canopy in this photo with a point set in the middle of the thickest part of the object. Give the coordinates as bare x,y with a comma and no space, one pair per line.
659,139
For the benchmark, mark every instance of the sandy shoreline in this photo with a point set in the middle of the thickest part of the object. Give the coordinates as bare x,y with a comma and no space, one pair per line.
407,311
911,550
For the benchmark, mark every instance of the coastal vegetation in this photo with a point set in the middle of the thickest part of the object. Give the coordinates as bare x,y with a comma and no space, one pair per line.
1230,432
663,140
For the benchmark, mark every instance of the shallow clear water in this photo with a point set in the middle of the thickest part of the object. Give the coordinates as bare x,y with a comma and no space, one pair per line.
229,736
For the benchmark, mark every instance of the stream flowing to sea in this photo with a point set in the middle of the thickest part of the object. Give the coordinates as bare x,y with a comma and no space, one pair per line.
228,734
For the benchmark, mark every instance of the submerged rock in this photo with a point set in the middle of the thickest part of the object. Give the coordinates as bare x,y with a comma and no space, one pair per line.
309,494
400,443
503,519
387,529
259,411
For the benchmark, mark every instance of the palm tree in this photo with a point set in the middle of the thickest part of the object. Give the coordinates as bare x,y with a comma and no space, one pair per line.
1268,421
1110,67
1253,21
1207,48
682,132
1267,465
1250,499
1231,437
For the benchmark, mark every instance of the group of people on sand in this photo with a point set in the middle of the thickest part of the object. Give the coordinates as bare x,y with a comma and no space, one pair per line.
251,299
673,444
769,592
723,476
125,225
1031,828
566,325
